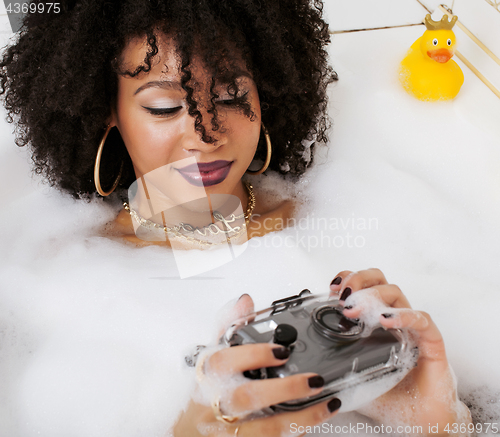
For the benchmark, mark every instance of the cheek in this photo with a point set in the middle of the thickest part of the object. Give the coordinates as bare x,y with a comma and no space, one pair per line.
150,147
247,134
149,143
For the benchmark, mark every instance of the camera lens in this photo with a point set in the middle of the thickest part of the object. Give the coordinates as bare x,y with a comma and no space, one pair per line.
329,321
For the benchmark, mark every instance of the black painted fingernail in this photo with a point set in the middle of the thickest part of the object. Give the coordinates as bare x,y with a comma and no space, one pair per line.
336,281
348,307
346,293
281,353
334,405
316,381
387,315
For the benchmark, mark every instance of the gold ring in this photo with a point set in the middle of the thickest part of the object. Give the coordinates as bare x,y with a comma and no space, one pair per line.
221,417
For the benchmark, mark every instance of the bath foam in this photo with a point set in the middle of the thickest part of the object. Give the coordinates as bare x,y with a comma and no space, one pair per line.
128,298
483,403
368,301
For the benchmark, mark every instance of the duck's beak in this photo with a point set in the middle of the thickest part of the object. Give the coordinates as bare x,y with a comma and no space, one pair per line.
440,55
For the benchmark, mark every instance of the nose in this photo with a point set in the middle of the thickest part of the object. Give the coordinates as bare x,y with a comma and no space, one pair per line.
201,136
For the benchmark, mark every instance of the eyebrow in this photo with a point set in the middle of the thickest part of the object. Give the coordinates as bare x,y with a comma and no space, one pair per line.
159,84
168,84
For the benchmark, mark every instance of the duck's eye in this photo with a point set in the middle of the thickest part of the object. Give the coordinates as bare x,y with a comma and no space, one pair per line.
448,42
435,41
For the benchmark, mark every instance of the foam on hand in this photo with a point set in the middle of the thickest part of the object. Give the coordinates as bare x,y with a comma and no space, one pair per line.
370,304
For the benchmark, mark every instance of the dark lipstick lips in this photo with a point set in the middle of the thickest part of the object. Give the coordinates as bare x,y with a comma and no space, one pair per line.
206,173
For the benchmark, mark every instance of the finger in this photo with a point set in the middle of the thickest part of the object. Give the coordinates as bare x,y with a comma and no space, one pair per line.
234,311
244,306
336,283
390,295
292,423
417,320
256,395
238,359
431,350
360,280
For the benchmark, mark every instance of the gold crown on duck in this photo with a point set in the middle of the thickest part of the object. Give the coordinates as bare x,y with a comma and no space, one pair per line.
444,24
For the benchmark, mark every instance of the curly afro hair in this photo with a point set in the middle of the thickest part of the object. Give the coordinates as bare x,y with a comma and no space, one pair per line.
59,79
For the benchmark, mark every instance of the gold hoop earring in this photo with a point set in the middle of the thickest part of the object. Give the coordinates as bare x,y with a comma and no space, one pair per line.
268,155
97,179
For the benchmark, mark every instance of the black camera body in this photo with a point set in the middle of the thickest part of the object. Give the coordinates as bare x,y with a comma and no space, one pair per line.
322,340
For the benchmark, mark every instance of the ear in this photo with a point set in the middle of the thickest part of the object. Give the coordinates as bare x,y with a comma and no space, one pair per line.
113,118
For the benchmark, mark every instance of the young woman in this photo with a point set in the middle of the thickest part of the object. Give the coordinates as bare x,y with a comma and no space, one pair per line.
218,83
106,93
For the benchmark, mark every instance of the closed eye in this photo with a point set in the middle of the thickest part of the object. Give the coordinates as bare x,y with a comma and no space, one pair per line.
163,111
233,101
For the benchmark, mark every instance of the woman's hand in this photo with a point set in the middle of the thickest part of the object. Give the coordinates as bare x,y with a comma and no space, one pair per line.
238,400
427,396
255,395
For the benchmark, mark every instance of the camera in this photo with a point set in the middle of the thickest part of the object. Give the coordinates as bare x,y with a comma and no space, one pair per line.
322,340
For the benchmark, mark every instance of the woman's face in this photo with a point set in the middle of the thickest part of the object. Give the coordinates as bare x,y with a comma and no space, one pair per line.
152,117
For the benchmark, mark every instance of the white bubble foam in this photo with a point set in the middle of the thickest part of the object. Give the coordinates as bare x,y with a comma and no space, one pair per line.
368,301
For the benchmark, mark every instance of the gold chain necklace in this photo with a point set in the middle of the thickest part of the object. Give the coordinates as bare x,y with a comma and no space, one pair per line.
212,229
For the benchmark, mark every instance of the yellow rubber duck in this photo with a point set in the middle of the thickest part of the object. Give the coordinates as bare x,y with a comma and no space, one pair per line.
427,71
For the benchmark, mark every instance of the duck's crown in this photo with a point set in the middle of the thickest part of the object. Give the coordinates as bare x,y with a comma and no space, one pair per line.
444,24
